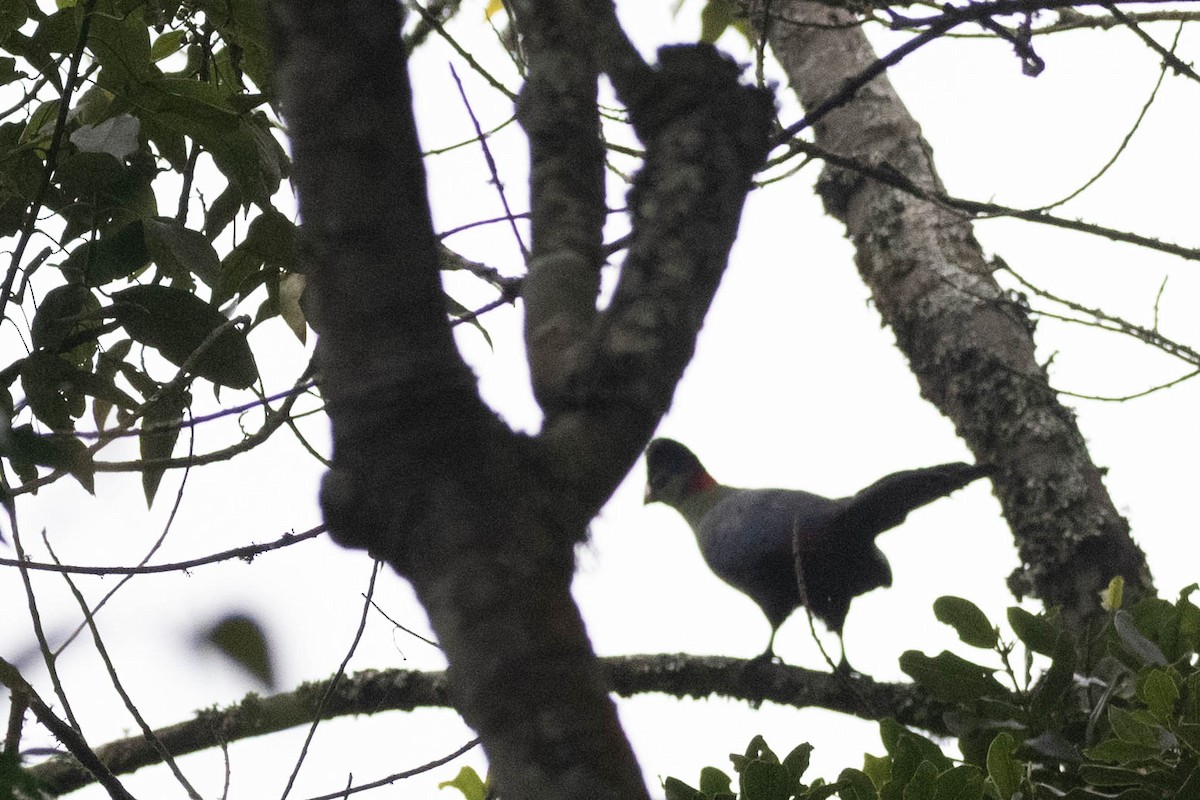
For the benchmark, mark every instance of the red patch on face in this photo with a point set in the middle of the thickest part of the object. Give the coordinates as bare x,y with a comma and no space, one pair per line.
701,481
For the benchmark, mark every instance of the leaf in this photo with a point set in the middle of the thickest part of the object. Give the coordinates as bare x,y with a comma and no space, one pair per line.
1113,594
798,760
114,256
1135,643
120,41
63,318
1004,770
49,384
1038,632
855,785
87,174
222,211
923,784
766,780
25,448
878,769
968,621
678,790
713,782
117,136
1053,689
715,18
902,743
177,323
291,287
167,45
160,430
951,678
1158,691
963,782
240,638
179,251
468,782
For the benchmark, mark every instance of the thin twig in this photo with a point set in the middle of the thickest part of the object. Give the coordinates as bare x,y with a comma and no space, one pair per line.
246,553
333,681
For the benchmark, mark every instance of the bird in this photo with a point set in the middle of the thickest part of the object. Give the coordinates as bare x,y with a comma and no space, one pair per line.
753,538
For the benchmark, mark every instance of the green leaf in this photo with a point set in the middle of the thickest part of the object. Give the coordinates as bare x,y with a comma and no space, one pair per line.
49,383
903,743
923,784
1158,691
120,41
951,678
878,769
116,136
85,174
713,782
177,323
291,288
1134,642
715,18
1118,752
766,780
240,638
968,621
67,316
798,760
1110,776
855,785
179,251
114,256
758,750
678,790
167,45
222,211
25,449
40,128
1054,687
963,782
1004,770
270,242
469,784
1038,632
160,430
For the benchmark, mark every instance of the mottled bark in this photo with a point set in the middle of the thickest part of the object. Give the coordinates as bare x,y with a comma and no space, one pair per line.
482,521
970,346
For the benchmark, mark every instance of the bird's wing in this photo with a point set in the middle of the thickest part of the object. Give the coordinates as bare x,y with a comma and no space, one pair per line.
746,539
885,503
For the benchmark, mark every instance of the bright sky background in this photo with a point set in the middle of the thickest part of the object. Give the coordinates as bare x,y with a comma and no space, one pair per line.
794,384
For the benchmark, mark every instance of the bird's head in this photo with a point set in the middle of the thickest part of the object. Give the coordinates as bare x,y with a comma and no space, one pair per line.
673,473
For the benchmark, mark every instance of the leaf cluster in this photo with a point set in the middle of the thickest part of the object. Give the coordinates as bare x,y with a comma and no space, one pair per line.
1115,714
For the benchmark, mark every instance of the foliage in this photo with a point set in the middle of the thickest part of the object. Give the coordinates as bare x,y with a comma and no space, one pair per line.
130,92
1128,727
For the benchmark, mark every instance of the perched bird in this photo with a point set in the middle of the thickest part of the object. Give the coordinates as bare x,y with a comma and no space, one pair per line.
751,537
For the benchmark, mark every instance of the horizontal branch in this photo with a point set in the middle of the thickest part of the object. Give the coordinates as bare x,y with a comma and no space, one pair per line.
372,691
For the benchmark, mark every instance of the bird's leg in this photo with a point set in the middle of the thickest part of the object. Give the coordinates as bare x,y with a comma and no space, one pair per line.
768,655
843,667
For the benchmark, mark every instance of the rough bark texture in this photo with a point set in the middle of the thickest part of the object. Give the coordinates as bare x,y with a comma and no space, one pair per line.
376,691
482,521
969,345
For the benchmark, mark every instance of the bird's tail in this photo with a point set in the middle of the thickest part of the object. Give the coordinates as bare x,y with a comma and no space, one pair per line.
885,503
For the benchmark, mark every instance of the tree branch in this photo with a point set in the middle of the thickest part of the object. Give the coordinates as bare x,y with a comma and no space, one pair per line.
371,692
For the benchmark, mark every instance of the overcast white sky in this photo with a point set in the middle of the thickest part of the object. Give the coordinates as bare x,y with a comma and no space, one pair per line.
794,384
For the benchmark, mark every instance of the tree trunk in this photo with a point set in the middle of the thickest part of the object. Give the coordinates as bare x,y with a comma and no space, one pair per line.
481,520
969,343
